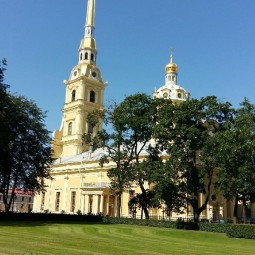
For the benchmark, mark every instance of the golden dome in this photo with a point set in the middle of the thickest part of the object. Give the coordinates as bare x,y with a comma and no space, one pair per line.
171,67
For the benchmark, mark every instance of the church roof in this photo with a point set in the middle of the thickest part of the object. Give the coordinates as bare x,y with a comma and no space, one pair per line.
96,155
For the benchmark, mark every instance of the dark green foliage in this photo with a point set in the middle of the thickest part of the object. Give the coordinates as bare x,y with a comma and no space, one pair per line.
3,86
214,227
150,223
235,155
130,126
185,131
241,231
25,151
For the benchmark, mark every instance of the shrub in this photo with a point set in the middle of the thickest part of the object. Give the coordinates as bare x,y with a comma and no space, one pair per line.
241,231
150,223
213,227
191,226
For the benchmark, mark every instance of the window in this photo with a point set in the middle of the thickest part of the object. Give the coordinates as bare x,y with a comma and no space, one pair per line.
92,96
42,201
30,199
165,95
57,201
81,56
22,206
73,196
90,129
86,55
70,128
92,57
179,95
73,95
22,199
90,204
131,195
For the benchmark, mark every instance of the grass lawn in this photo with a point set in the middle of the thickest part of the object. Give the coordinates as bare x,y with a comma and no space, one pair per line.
46,238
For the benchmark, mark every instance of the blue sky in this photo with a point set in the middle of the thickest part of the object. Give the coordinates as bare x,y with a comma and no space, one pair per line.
213,41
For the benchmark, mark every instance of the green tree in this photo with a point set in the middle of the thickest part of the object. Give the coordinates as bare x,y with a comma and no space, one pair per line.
235,154
112,141
131,125
184,131
25,152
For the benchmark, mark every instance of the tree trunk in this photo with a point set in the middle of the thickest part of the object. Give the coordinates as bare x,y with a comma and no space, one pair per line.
7,208
146,212
196,216
235,206
244,210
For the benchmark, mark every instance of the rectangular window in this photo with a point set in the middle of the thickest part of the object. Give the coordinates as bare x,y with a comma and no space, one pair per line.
22,199
57,201
42,201
73,196
131,195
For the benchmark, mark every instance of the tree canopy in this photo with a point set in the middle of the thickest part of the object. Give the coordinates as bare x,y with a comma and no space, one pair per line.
131,126
184,130
25,151
235,156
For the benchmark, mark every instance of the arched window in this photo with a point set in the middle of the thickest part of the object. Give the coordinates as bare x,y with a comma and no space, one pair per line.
81,56
92,57
70,128
86,55
73,95
92,96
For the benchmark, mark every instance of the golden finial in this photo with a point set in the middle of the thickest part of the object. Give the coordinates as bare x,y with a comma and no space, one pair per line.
171,67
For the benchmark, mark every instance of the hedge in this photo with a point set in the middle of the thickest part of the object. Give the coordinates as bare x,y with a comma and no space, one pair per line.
241,231
214,227
152,223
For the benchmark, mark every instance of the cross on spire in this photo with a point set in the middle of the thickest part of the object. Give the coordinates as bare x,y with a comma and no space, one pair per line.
171,55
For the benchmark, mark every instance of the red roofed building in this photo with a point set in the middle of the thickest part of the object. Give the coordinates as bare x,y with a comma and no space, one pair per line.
23,201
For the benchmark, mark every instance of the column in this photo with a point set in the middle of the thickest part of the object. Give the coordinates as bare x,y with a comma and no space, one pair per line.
82,198
107,204
101,204
115,206
86,206
65,194
95,204
50,198
35,203
221,212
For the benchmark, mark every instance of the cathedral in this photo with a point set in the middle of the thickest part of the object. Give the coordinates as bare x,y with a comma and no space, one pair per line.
79,184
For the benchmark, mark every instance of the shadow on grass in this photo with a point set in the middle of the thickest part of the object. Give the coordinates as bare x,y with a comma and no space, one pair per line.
9,223
42,219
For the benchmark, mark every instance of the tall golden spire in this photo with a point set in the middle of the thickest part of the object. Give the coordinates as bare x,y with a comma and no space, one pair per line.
90,19
87,50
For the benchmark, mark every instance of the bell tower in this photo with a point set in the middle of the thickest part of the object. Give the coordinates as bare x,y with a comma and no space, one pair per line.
84,94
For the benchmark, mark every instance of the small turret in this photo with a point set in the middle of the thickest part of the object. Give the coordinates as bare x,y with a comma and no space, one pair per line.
171,90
